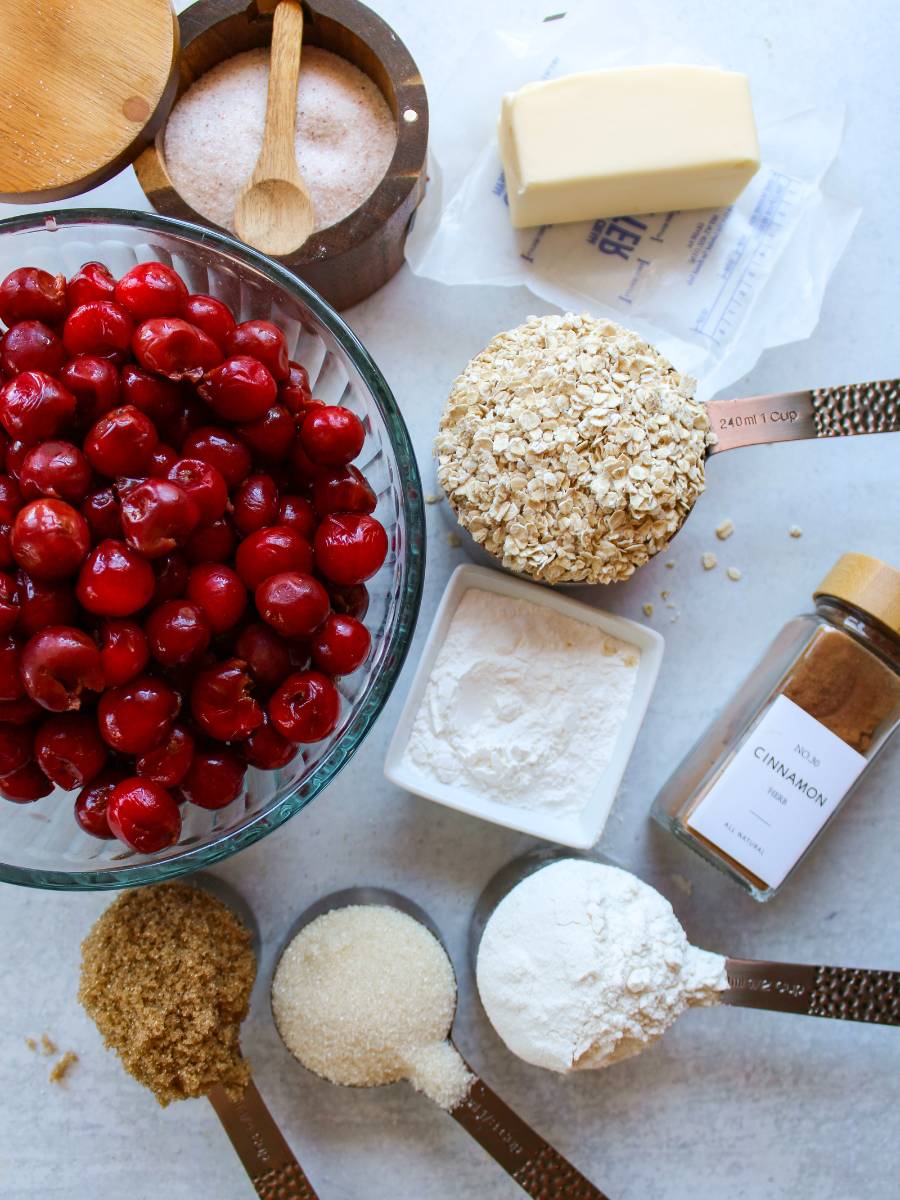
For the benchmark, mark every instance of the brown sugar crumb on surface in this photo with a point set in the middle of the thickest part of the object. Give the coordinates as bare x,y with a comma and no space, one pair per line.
31,1044
48,1046
166,976
62,1067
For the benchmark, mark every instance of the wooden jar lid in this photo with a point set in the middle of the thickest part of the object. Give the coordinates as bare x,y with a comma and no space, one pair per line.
84,86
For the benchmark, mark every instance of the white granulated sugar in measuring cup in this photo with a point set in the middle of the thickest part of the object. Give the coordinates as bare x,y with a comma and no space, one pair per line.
345,134
365,995
523,704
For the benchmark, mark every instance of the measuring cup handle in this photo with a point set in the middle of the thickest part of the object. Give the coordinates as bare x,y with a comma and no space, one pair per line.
840,411
260,1145
536,1167
844,993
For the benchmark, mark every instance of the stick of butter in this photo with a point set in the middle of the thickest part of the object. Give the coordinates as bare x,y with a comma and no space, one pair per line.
625,141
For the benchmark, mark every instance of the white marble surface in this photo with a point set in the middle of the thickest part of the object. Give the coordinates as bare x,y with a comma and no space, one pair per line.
742,1104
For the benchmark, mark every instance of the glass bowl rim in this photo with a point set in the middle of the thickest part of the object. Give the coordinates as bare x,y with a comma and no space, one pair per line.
268,819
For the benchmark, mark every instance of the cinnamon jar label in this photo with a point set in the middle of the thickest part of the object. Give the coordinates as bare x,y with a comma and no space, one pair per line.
779,789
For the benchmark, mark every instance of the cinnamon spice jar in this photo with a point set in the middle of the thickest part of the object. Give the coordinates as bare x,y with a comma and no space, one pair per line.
785,754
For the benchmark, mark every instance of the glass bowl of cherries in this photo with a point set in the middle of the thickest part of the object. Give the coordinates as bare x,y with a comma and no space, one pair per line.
211,547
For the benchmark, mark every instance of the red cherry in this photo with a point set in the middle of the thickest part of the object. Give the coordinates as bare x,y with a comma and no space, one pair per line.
121,443
171,578
114,581
263,341
143,815
340,645
204,484
255,503
270,552
31,346
292,603
240,389
93,281
169,762
69,750
11,684
299,514
34,407
332,435
162,461
98,327
174,348
102,513
137,716
151,289
219,592
19,712
343,490
221,449
94,382
265,653
25,785
123,650
212,543
157,516
190,416
10,607
30,294
306,707
42,604
305,471
222,702
272,436
350,547
178,632
266,749
10,499
15,456
6,554
56,469
92,801
352,599
159,399
294,392
215,778
212,316
16,747
50,539
57,665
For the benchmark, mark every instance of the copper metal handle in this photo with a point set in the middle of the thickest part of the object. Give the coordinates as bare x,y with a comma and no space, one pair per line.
260,1145
844,993
536,1167
823,412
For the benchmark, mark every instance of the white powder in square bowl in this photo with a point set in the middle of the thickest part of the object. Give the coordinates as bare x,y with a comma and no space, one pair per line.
523,705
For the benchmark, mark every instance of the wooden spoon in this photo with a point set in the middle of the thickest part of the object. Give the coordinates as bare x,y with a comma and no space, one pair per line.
274,212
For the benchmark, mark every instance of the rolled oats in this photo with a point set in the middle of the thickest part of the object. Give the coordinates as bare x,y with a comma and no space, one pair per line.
571,449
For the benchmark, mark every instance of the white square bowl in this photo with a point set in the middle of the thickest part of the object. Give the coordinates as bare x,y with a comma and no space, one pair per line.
583,829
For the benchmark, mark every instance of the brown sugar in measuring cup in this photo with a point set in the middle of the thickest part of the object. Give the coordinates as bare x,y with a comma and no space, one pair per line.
783,756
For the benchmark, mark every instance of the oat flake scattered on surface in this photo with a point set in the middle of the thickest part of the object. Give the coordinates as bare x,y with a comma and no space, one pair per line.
795,531
725,529
734,573
345,134
708,560
571,449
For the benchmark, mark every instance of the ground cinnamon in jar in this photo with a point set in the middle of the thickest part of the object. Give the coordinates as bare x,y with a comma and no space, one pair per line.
166,976
782,757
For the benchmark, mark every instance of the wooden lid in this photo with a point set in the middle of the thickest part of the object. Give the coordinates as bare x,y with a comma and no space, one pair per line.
84,86
866,583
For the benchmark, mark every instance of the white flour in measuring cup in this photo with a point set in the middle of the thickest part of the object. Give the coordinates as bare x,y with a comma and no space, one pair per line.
711,289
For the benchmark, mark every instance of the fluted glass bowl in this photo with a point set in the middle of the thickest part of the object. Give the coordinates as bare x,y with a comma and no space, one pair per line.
40,844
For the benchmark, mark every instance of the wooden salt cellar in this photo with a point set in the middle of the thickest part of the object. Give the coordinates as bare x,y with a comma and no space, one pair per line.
350,260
